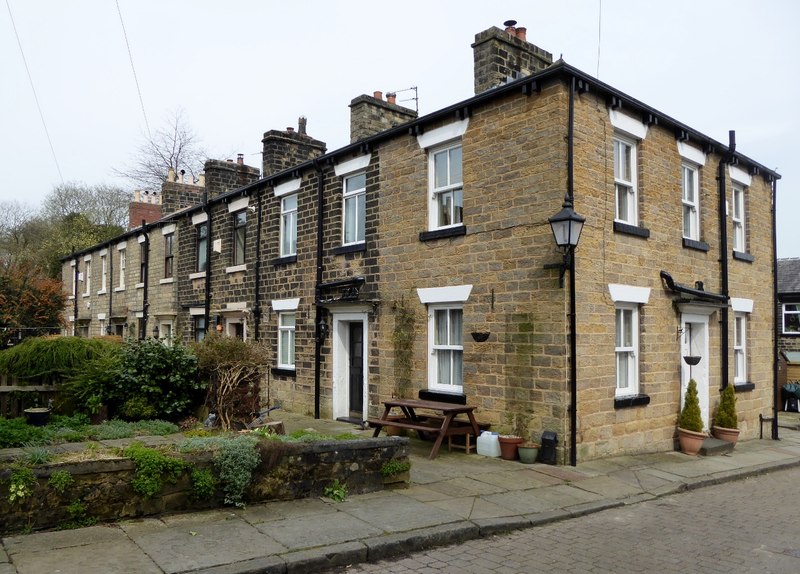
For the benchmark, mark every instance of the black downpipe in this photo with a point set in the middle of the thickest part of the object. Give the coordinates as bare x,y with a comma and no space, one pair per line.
776,390
257,290
110,286
723,256
573,344
145,278
75,275
209,328
318,308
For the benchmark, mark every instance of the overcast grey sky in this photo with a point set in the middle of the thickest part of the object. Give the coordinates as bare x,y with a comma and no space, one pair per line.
239,68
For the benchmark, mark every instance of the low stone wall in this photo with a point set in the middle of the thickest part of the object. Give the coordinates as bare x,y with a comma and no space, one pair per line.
287,471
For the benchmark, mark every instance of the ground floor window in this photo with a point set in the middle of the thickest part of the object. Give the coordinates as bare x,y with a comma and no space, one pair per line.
286,333
199,328
626,349
445,328
740,348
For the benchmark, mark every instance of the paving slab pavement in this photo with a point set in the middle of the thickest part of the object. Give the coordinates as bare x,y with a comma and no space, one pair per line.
451,499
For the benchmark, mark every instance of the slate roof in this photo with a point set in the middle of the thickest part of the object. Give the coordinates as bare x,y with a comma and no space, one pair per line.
789,275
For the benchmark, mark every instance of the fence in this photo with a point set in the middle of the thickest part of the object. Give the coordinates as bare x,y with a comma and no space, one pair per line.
16,396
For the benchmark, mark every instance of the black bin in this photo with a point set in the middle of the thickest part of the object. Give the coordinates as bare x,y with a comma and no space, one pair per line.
547,452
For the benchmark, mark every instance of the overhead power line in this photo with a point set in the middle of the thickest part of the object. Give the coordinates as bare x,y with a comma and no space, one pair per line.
133,68
33,89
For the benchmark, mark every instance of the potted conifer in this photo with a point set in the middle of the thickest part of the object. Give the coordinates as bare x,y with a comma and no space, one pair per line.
690,422
726,422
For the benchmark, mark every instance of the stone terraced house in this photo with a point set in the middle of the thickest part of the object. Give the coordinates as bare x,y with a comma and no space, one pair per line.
419,260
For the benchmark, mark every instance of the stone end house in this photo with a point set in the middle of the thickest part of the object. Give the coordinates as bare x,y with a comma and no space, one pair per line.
419,259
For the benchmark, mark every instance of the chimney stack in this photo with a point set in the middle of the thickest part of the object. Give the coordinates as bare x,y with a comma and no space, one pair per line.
502,56
370,115
285,149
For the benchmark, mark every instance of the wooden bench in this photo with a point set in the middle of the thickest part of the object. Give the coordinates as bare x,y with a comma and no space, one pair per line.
440,426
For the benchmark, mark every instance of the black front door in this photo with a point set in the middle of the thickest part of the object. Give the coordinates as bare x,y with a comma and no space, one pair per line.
356,368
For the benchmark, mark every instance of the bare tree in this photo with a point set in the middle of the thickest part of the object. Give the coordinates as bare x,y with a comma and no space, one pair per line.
101,204
15,218
174,146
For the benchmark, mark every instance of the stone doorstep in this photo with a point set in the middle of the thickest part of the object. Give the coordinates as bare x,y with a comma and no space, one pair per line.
714,447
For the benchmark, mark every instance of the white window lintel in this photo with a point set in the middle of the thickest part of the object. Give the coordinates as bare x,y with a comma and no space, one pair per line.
285,304
443,134
740,305
195,311
740,176
288,187
352,165
239,204
691,153
450,294
167,229
629,293
199,218
628,124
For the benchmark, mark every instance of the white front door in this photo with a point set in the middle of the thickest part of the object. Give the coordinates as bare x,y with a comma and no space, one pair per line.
694,343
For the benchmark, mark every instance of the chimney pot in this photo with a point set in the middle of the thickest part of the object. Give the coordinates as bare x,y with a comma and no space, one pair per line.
378,95
522,34
240,158
290,130
391,98
229,160
301,125
509,24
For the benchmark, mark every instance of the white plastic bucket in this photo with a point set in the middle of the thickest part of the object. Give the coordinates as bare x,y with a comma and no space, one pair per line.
488,444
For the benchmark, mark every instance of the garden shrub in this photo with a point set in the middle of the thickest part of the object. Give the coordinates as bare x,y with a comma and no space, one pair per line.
726,411
235,462
52,358
233,369
153,467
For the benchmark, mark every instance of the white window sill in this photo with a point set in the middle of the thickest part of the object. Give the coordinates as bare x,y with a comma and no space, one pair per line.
166,281
198,275
87,295
236,268
118,289
102,292
139,286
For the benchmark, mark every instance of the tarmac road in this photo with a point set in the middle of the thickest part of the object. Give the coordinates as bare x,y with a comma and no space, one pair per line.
736,527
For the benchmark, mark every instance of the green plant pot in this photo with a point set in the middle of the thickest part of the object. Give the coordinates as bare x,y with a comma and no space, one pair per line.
527,453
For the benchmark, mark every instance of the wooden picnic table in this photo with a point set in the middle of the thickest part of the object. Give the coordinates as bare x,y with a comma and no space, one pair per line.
445,425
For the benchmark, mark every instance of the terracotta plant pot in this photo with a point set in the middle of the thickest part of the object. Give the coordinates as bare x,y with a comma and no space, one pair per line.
728,435
528,452
691,442
508,446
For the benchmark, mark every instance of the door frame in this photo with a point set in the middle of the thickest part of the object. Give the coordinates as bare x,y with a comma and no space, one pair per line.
340,344
694,340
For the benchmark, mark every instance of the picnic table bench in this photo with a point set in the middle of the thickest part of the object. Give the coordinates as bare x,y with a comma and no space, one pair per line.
441,426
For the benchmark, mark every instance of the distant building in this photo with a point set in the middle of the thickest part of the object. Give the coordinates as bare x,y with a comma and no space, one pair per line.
419,259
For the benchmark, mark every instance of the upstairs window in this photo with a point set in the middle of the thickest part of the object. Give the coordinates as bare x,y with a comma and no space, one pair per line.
691,202
201,247
355,196
87,279
738,219
169,254
289,225
103,274
625,181
122,263
447,182
791,318
239,237
142,262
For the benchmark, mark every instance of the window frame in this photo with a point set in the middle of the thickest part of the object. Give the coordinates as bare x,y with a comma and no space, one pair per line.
784,313
739,348
123,261
632,350
288,224
632,215
739,218
143,247
359,197
454,189
87,278
239,236
290,331
199,328
201,247
169,255
103,274
454,351
693,205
